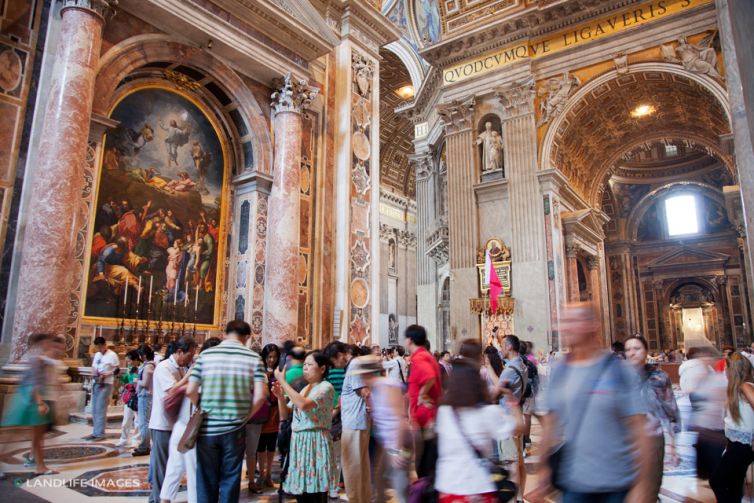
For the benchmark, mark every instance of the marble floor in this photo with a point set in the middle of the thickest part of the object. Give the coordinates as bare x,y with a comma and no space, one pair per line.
99,472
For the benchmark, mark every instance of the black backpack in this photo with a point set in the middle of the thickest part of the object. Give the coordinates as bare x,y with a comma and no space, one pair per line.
532,383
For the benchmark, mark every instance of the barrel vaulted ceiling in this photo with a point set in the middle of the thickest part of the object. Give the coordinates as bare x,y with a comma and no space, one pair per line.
396,132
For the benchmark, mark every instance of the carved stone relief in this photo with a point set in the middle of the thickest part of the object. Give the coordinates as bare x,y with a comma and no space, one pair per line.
554,95
697,58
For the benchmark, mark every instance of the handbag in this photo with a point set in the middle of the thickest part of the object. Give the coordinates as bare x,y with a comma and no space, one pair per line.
188,439
505,488
173,400
556,458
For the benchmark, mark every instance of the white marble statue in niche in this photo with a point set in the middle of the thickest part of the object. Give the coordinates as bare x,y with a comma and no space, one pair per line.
492,149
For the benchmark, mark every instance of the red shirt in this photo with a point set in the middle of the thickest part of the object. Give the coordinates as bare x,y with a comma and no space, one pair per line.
720,365
423,368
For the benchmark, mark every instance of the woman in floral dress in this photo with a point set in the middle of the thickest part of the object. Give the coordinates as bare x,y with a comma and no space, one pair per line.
311,459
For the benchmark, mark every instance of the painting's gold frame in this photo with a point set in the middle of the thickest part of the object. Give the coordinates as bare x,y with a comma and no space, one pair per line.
225,196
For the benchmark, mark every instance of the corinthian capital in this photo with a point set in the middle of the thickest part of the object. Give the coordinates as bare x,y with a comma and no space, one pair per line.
103,8
422,164
292,95
457,114
517,98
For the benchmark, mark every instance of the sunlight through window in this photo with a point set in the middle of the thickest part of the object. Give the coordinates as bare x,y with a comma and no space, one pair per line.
681,215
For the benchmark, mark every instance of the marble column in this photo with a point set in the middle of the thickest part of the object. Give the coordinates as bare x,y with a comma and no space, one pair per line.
47,254
572,264
281,275
529,281
595,283
462,214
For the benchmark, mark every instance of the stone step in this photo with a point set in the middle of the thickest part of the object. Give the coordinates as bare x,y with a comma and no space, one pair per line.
114,416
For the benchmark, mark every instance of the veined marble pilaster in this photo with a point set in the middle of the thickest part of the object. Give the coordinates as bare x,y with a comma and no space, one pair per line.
462,216
281,290
528,248
47,261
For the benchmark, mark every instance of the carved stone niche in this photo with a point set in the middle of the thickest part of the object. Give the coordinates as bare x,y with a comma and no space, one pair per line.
489,140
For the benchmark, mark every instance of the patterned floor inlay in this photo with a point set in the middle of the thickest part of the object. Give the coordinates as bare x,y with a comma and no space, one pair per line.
63,454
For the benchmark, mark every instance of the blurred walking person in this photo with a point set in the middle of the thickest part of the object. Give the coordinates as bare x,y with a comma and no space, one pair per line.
706,390
594,446
390,427
355,437
728,479
467,426
663,416
28,407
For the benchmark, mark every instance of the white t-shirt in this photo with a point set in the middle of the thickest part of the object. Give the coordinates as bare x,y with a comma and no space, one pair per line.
166,374
459,470
106,364
395,368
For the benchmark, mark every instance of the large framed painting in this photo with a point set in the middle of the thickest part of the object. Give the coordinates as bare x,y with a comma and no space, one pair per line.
161,204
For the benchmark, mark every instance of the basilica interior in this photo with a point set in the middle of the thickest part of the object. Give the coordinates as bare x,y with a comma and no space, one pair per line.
341,169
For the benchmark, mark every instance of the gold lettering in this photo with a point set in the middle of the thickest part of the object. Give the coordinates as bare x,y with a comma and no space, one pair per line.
638,14
650,10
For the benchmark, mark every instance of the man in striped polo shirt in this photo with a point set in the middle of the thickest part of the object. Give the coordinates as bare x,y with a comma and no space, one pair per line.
233,388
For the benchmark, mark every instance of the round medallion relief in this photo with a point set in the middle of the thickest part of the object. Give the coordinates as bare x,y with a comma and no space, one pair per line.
359,293
304,179
10,70
360,144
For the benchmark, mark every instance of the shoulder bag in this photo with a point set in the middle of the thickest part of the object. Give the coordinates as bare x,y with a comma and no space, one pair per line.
188,439
556,458
506,489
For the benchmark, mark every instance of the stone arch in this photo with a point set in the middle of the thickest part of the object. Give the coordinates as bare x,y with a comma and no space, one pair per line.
410,60
550,141
608,165
637,215
136,52
668,289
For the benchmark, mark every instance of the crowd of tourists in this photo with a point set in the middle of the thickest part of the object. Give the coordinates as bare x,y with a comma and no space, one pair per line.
453,428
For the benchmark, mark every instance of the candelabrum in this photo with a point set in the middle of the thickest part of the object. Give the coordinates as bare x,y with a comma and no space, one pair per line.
145,329
134,327
158,330
120,331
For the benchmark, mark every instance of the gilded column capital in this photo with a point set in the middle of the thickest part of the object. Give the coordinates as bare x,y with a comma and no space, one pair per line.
292,95
458,114
103,8
517,98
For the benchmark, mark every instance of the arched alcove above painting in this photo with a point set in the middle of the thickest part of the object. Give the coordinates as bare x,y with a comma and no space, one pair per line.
160,209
